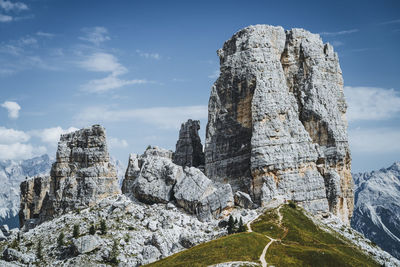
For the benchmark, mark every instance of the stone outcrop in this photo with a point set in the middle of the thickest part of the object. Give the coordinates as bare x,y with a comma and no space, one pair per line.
154,178
33,192
276,123
189,150
81,176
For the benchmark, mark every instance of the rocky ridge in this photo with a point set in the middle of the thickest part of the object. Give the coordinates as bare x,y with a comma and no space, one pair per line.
377,207
154,178
276,123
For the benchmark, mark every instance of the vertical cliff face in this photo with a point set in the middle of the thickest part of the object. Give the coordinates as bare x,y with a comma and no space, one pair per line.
277,126
189,150
81,176
32,195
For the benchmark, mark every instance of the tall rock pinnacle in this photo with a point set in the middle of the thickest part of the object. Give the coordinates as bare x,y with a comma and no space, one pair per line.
189,150
276,123
81,176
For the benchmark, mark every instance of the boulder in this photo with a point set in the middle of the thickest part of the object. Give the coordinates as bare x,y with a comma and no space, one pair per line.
243,200
86,244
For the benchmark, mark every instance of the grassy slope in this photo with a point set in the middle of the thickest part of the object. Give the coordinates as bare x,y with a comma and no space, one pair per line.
307,245
236,247
303,244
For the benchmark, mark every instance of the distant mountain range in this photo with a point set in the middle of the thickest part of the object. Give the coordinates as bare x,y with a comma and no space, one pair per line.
13,172
377,207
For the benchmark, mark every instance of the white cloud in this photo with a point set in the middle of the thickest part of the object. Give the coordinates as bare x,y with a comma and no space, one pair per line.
95,35
45,34
338,33
8,6
5,18
337,43
376,140
215,75
103,62
9,136
390,22
148,55
117,143
13,145
51,136
18,151
371,103
109,83
12,108
163,117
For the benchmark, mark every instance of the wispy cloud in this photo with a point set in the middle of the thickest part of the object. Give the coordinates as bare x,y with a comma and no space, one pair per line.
163,117
371,103
12,109
117,143
214,75
45,34
10,6
338,33
51,136
337,43
148,55
395,21
103,62
374,140
95,35
5,18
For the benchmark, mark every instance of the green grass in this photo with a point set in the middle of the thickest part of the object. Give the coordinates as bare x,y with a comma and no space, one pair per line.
236,247
307,245
302,244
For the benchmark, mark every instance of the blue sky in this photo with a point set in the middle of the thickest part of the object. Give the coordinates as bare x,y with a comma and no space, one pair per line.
140,68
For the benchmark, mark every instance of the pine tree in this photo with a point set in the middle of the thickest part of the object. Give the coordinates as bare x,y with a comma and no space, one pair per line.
92,230
39,252
60,240
76,231
114,253
103,227
231,225
242,227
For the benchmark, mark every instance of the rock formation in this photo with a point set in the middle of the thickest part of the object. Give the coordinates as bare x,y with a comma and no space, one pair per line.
81,176
154,178
276,123
33,192
189,150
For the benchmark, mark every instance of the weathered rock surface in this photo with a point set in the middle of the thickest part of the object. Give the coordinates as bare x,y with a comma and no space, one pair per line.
276,123
81,176
33,192
145,233
86,244
377,207
243,200
154,178
10,255
189,150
